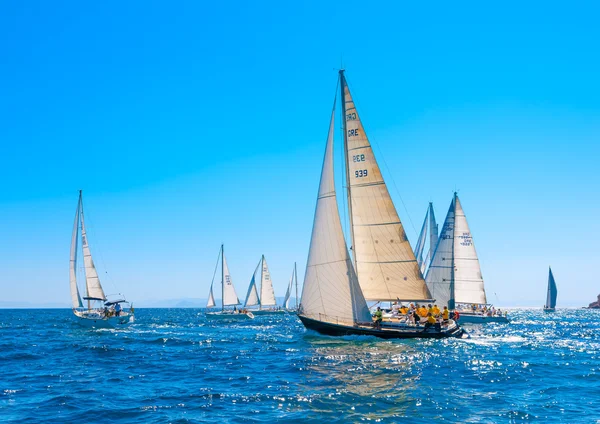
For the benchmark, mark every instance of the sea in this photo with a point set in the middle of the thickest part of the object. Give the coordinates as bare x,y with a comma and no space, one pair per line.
178,366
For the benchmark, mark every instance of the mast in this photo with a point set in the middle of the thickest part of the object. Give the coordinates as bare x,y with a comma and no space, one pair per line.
222,279
347,167
262,273
296,277
451,304
87,288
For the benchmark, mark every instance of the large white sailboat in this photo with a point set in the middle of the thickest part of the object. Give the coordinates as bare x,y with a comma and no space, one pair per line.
266,301
100,311
454,276
228,295
335,291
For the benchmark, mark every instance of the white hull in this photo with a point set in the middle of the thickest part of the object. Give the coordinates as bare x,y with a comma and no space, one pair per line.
268,311
229,315
97,321
466,318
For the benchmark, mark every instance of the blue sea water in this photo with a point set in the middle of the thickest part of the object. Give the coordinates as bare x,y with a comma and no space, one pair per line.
174,365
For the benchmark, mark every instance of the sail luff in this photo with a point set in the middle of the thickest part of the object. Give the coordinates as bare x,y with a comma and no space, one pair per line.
385,262
94,288
75,296
331,291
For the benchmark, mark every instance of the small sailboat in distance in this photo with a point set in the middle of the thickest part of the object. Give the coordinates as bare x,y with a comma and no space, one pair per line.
293,283
550,305
335,291
101,312
266,302
228,294
432,229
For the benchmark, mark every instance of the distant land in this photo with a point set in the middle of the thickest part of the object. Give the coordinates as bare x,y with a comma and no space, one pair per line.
167,303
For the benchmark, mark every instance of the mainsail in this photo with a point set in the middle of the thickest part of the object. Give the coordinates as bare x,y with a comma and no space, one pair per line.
552,291
331,291
229,295
252,295
385,263
94,288
267,294
75,296
454,274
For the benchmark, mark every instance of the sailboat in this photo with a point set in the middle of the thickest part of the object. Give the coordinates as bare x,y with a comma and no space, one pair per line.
266,300
100,311
228,294
432,229
336,290
293,283
454,276
550,305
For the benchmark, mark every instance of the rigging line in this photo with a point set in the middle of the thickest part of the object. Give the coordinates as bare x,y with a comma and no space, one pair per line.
388,170
216,267
98,250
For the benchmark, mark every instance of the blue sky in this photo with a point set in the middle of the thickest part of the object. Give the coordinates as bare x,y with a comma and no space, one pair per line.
192,123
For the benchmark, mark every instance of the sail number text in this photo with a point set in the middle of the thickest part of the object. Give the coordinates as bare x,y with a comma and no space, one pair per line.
353,133
360,173
358,158
351,116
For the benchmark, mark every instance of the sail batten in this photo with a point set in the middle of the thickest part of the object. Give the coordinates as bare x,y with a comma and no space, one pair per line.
386,266
331,290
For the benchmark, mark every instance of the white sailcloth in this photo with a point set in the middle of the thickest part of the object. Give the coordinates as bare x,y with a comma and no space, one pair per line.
439,274
468,281
420,247
229,294
288,292
94,288
433,234
267,294
385,263
211,298
331,291
252,295
75,296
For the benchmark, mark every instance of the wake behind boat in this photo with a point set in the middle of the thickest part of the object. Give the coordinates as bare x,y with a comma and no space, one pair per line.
385,268
100,312
228,295
550,305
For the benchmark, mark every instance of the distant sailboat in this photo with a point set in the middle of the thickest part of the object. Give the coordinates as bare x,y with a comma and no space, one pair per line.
266,300
429,227
550,305
335,292
454,275
288,293
228,294
106,313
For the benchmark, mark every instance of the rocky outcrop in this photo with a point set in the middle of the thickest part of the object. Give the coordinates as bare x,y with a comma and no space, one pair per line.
596,304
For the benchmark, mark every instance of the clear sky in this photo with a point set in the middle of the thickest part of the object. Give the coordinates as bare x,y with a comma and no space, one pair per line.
188,124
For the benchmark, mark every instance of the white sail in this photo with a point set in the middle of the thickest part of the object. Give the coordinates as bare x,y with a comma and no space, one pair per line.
468,281
75,296
433,235
385,263
331,291
252,295
211,298
229,294
267,294
288,292
94,288
420,247
439,274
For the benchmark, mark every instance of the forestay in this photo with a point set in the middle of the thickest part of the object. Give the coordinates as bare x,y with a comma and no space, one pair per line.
331,291
385,263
